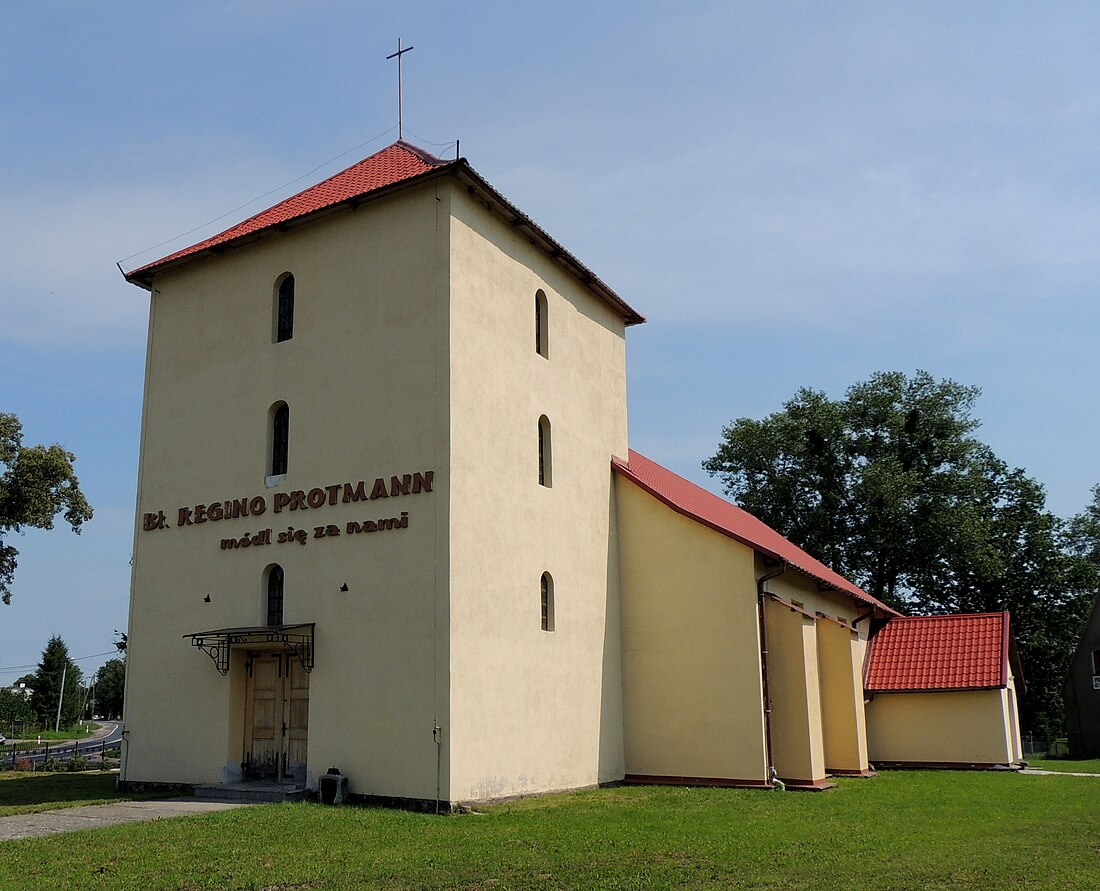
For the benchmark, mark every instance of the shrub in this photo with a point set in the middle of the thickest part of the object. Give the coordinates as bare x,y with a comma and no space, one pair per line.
55,765
24,764
77,763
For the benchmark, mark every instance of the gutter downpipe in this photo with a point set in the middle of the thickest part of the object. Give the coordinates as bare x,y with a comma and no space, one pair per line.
773,777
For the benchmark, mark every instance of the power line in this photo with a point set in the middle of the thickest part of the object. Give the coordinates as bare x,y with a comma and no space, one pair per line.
258,198
15,669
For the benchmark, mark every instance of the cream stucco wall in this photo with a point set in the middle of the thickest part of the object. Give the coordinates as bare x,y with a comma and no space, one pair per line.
366,379
843,721
798,749
961,727
692,702
413,350
531,710
819,723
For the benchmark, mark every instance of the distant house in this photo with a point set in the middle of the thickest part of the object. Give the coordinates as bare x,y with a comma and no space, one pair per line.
1081,692
21,690
942,692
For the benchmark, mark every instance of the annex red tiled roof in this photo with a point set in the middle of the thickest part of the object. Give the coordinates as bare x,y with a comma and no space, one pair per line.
394,165
727,518
914,653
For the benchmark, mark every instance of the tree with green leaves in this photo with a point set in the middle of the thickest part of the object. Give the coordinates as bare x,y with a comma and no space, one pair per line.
1083,532
110,683
890,487
37,484
14,708
56,669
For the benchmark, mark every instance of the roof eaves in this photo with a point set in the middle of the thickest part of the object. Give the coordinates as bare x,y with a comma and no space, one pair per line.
933,689
475,182
143,276
541,238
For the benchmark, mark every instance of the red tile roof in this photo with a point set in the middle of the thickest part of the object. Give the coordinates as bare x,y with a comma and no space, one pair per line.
730,520
914,653
395,165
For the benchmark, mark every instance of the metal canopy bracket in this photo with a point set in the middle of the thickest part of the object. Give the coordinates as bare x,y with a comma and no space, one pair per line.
217,644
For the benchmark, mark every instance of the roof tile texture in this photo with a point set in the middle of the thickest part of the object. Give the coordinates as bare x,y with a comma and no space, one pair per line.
394,164
968,652
730,520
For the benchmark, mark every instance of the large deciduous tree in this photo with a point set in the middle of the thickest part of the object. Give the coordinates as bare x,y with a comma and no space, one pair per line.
55,669
890,487
36,485
110,682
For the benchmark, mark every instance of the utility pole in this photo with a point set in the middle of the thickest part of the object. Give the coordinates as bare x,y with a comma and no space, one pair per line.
60,697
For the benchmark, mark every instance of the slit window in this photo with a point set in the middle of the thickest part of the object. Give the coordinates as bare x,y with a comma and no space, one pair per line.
545,453
541,333
1096,662
284,309
280,439
275,595
547,598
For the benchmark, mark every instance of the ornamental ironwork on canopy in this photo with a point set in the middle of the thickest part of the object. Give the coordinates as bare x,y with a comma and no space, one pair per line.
217,644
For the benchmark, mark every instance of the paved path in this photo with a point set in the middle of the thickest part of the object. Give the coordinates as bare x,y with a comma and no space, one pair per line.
92,816
1036,772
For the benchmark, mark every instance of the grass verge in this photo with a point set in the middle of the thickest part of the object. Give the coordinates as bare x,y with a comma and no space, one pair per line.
30,793
907,829
1063,765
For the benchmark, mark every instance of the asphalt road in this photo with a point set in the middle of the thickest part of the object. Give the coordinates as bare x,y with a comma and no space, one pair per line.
109,736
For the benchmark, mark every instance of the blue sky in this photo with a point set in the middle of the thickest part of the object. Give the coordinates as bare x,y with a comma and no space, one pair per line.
794,194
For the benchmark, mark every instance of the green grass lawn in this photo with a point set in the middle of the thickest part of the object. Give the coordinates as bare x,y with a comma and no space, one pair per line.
906,829
79,731
22,793
1064,765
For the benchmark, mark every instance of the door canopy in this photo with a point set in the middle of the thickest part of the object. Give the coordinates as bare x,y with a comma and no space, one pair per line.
298,639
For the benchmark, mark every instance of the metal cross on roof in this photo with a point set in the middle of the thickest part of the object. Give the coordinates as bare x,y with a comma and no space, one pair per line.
400,112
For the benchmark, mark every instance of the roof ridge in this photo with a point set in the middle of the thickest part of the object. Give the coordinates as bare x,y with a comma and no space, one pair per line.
423,154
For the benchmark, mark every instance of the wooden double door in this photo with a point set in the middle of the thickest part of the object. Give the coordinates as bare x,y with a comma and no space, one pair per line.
276,719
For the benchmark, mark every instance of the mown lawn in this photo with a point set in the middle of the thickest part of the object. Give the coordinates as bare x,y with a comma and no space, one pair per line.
23,793
949,830
1066,766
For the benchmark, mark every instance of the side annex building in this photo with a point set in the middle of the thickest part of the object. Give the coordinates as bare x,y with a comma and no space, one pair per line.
389,521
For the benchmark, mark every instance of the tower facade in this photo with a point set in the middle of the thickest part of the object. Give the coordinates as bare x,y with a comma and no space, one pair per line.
375,490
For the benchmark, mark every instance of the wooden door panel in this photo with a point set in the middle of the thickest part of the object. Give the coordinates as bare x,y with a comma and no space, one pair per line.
296,715
276,716
263,719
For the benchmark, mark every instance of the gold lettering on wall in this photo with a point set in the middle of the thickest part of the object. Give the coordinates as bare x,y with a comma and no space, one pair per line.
396,486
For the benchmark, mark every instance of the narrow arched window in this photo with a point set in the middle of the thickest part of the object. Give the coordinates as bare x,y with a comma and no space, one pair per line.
541,333
547,597
1096,662
274,593
545,453
284,308
280,438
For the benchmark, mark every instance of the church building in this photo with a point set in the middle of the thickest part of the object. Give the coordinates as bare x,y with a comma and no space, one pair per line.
389,522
